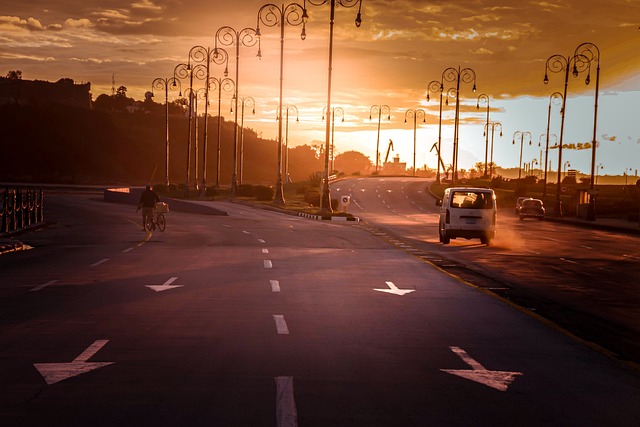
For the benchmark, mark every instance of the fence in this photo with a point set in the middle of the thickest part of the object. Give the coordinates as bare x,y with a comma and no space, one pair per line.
20,208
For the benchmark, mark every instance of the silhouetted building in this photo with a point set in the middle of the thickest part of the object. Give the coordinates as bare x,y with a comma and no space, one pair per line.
39,93
395,167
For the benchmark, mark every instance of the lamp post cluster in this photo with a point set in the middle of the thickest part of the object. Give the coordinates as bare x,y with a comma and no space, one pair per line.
583,58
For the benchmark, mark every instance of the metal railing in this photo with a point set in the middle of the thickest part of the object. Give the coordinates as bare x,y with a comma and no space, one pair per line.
20,208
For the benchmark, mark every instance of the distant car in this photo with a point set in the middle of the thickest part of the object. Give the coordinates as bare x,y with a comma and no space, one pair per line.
519,203
531,208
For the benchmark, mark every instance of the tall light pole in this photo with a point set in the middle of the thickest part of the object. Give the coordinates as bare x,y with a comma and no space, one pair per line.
493,126
335,111
227,85
379,110
206,56
271,15
521,135
458,75
227,36
555,98
167,84
485,98
182,71
289,109
325,199
592,53
195,96
251,103
437,87
556,64
415,114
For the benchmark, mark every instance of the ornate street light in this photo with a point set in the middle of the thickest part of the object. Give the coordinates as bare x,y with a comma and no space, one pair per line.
556,64
289,109
227,85
335,111
325,199
379,110
592,53
205,56
493,126
521,135
167,84
555,98
458,75
245,101
194,96
271,16
415,114
182,71
437,87
246,37
485,98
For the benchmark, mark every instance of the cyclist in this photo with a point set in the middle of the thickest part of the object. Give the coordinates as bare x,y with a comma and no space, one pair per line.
148,200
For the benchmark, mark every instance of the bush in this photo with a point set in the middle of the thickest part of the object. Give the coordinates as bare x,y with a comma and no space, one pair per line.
264,193
246,190
312,197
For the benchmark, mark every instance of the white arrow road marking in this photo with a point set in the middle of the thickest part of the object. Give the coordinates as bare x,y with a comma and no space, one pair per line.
281,324
56,372
500,380
166,286
286,413
393,289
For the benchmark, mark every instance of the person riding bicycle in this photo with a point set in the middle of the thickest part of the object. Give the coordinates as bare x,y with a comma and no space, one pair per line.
148,200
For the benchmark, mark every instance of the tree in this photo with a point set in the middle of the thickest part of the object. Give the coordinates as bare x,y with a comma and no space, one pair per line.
352,161
121,92
14,75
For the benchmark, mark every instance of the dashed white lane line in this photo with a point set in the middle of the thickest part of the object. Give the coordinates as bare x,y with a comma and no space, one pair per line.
265,251
127,250
246,232
102,261
39,287
569,261
281,324
268,263
262,241
286,412
275,286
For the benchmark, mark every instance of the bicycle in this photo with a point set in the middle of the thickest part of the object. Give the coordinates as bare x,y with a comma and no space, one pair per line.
157,217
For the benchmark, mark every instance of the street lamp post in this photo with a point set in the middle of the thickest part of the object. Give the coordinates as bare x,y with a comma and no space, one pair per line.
415,114
556,64
521,135
227,85
437,87
379,110
167,84
289,109
195,96
251,103
485,98
335,111
227,36
271,15
555,98
598,169
493,126
591,52
458,75
205,56
182,71
325,199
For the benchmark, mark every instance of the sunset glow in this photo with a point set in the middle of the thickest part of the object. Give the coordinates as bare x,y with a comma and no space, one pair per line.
401,46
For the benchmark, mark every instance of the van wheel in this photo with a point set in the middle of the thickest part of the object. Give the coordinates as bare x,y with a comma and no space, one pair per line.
486,240
446,239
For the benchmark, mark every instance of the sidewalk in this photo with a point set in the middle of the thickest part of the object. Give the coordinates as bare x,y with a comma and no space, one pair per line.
605,224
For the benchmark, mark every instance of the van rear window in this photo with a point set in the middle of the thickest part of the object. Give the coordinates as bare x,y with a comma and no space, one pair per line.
471,200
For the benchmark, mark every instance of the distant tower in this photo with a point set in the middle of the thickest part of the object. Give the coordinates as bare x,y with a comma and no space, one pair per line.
113,84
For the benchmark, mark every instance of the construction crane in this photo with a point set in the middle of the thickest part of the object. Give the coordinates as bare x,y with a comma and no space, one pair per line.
389,148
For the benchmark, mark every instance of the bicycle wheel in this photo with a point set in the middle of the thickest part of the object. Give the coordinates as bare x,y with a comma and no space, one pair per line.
148,223
161,222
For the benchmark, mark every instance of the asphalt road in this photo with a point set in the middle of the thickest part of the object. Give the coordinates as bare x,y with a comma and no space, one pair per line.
583,279
264,319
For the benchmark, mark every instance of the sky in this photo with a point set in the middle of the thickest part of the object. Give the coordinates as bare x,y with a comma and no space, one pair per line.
401,46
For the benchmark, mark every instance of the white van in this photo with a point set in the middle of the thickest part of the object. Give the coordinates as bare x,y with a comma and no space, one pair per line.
470,213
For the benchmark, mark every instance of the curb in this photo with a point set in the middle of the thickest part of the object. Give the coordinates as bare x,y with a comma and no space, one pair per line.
10,246
328,218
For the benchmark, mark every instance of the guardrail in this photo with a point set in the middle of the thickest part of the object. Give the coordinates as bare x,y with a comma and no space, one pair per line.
20,208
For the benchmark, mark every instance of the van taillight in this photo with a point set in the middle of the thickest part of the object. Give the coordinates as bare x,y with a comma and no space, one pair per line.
447,218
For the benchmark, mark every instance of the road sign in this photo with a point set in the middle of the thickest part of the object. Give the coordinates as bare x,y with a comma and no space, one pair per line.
56,372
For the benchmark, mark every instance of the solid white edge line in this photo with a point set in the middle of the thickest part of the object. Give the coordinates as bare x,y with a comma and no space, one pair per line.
286,412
